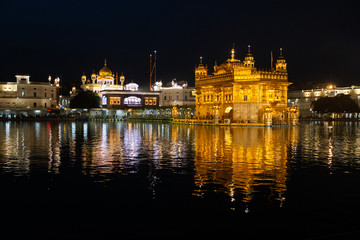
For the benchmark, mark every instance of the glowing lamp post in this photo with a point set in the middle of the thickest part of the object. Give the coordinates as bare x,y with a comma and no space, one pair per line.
174,112
268,116
294,115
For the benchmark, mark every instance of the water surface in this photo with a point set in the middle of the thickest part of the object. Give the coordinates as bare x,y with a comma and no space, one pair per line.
94,179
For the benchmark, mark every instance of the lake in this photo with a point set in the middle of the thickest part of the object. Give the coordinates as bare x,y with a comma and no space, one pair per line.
136,179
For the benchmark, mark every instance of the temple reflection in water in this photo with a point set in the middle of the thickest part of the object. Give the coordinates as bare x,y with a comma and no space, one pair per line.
237,161
242,159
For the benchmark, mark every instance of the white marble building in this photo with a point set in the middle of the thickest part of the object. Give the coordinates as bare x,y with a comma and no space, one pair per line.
175,94
303,98
24,95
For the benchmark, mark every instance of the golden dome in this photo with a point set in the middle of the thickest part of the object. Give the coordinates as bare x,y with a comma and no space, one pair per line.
105,71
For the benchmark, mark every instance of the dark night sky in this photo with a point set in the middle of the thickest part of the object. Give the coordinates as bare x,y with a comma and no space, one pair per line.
320,40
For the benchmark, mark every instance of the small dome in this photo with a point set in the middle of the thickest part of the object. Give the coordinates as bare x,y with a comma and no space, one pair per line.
105,71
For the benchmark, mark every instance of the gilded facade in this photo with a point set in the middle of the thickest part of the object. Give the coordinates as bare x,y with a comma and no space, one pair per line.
238,92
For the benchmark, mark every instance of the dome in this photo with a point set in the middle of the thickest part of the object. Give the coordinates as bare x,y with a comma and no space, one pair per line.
105,71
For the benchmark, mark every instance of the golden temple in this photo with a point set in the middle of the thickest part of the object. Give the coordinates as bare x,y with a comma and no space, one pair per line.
237,92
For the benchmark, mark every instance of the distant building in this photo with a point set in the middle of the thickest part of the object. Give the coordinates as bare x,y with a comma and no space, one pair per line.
238,92
104,80
118,96
125,99
175,94
28,98
303,98
64,101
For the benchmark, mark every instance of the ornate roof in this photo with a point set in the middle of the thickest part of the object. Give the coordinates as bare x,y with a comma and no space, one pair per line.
105,71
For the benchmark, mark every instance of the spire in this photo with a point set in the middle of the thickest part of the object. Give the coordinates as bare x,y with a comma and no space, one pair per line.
105,62
249,53
122,80
233,52
281,55
200,60
215,66
249,59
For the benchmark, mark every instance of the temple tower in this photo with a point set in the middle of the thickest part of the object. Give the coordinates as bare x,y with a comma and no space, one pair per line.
200,70
281,63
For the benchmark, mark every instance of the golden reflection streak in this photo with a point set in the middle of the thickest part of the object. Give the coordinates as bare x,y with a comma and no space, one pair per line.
239,159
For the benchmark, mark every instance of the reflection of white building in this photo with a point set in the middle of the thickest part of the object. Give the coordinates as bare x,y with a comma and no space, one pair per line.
25,95
175,94
303,98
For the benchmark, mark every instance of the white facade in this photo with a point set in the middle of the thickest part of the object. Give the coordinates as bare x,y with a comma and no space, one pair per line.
104,80
24,94
175,95
303,98
131,87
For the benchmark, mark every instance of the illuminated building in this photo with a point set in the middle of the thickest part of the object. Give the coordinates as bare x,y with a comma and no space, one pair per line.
118,96
121,99
237,91
303,99
175,93
25,98
104,80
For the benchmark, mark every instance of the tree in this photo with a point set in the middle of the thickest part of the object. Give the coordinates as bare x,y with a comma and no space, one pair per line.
85,99
338,104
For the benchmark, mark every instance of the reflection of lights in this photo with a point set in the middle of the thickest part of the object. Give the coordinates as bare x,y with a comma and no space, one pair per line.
132,141
245,157
73,130
330,154
50,152
37,129
7,130
85,131
247,210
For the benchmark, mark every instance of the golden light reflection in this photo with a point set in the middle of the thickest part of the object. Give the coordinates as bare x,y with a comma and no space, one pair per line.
236,161
243,159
